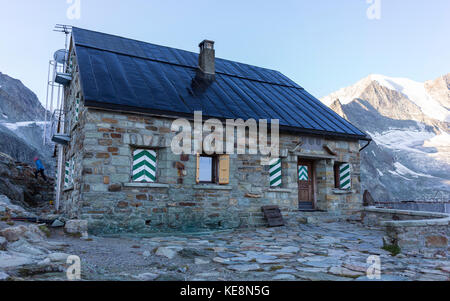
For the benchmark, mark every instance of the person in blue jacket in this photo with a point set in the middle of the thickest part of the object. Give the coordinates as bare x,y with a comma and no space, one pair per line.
39,169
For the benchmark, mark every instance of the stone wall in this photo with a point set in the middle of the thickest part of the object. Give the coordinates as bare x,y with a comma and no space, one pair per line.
411,230
103,193
431,206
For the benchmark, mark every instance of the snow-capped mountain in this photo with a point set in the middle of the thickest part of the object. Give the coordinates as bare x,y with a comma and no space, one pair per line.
409,123
22,123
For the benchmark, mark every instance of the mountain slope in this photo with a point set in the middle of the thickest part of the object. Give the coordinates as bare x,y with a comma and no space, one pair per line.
17,102
409,123
21,123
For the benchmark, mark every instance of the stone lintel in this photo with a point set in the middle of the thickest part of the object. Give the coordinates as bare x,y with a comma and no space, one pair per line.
314,156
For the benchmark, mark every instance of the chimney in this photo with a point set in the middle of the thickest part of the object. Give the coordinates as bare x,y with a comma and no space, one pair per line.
206,59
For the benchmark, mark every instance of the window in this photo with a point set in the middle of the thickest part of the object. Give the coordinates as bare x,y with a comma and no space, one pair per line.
207,169
342,176
144,166
213,169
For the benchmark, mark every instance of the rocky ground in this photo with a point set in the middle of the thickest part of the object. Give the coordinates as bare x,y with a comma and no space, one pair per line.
329,251
18,183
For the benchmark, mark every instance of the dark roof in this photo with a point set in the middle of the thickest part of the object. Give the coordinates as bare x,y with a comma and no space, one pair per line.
129,75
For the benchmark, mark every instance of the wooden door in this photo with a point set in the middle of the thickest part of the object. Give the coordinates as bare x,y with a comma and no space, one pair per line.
305,183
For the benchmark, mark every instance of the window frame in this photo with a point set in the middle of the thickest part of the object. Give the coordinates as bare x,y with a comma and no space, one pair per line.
214,169
337,177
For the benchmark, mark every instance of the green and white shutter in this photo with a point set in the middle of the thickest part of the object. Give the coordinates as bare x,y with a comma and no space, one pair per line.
68,173
144,166
275,173
303,173
344,176
77,109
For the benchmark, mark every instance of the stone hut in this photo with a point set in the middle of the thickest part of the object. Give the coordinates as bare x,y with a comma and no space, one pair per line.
122,175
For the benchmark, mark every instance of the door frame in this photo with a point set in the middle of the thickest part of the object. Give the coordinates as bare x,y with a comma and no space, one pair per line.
314,179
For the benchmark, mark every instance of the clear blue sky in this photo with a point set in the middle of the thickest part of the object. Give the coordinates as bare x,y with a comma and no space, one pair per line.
321,44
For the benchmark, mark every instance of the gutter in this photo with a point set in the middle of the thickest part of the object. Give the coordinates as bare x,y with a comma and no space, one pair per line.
369,140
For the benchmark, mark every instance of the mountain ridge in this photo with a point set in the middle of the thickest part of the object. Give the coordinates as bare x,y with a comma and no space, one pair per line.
409,158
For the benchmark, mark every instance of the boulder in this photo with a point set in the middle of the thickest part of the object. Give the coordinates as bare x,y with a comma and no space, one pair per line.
76,227
24,247
14,233
31,232
9,261
14,210
57,224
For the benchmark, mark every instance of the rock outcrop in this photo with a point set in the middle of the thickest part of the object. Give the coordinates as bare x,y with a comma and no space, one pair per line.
18,183
17,102
22,124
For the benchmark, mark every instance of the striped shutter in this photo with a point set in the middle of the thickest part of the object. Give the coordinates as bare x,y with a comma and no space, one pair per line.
275,173
68,173
77,109
303,173
344,176
144,166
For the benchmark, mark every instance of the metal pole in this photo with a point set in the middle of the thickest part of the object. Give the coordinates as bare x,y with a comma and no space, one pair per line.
53,86
46,103
60,176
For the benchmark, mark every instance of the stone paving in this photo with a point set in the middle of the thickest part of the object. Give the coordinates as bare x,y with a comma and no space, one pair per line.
333,251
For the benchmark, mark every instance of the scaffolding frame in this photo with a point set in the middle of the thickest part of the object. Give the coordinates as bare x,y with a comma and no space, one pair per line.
55,116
